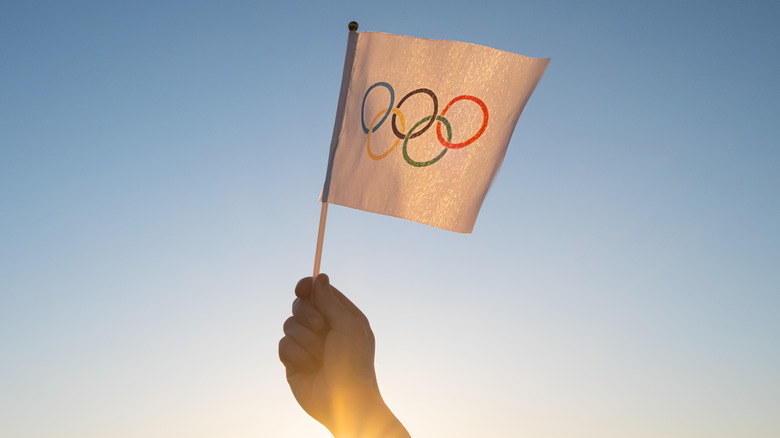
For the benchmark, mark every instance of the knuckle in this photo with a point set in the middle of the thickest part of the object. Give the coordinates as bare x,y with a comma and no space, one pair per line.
289,325
283,347
303,288
316,322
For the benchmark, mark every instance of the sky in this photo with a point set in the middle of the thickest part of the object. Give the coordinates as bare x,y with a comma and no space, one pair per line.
160,164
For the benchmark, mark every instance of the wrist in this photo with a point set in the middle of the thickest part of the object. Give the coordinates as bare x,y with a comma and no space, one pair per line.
372,419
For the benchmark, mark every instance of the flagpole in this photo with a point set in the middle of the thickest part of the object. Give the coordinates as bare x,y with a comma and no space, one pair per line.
320,237
349,57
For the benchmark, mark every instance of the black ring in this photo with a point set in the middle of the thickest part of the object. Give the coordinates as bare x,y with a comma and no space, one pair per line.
400,134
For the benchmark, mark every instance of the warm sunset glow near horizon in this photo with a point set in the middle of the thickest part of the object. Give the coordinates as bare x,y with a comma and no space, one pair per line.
160,164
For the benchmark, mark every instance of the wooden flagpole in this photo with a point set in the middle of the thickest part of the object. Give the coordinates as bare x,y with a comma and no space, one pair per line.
320,237
353,27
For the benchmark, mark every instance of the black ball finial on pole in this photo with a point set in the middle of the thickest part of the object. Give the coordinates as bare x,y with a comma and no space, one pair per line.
353,26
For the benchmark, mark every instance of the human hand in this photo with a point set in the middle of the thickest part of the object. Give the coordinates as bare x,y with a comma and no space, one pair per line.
328,350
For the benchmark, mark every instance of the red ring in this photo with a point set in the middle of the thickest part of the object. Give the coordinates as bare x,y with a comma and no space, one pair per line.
482,105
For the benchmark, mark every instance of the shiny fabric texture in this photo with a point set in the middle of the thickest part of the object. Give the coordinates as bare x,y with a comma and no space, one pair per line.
424,125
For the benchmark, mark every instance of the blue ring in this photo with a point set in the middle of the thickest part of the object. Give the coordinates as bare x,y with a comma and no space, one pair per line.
389,108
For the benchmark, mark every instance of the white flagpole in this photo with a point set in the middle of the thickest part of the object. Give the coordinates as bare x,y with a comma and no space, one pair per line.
353,27
320,237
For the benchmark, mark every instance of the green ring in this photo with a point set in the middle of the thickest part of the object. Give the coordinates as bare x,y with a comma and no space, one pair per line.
408,135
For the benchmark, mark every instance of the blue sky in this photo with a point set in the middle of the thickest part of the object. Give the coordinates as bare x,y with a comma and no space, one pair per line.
160,164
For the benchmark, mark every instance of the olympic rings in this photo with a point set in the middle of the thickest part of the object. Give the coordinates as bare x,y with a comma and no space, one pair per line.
412,133
433,116
389,107
396,112
481,104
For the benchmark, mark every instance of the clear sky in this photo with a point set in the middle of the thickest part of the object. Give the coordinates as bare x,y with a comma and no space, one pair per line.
160,164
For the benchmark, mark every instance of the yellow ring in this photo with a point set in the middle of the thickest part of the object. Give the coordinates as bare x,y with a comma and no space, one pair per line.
400,115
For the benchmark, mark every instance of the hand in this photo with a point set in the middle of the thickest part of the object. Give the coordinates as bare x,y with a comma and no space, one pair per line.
328,350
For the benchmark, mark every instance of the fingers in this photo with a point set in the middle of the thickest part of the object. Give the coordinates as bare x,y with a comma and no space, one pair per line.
327,300
303,288
305,313
301,349
303,309
295,358
311,342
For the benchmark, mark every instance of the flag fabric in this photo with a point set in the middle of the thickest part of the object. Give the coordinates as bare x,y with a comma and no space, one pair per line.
422,126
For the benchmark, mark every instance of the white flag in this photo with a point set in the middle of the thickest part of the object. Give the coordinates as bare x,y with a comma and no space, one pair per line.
423,125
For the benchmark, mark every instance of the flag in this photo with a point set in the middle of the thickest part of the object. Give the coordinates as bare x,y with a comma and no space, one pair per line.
422,126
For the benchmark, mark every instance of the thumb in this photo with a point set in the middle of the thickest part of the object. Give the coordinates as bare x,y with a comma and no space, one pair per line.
328,303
